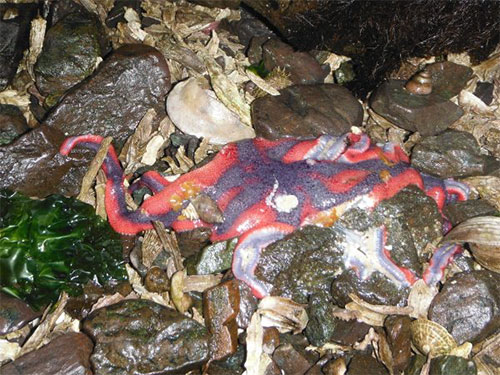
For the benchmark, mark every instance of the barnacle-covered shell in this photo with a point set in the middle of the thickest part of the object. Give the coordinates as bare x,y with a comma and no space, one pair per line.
483,235
420,83
431,338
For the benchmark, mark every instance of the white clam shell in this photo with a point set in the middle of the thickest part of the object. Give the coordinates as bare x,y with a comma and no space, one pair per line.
198,112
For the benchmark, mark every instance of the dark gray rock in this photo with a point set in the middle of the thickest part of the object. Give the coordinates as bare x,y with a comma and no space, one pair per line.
458,212
448,78
290,360
143,337
12,123
321,322
14,37
65,355
362,364
468,306
303,263
214,258
428,114
248,305
302,67
306,111
484,91
452,154
399,340
14,314
70,51
449,364
114,99
32,164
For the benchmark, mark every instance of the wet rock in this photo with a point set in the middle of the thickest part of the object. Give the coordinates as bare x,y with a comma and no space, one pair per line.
410,211
448,78
377,289
12,123
321,322
349,332
112,101
303,263
399,339
66,354
32,164
249,27
214,258
197,111
306,111
361,362
450,364
468,306
248,305
192,241
143,337
60,9
220,307
14,314
270,340
428,114
415,365
117,13
484,91
290,360
458,212
70,52
231,365
302,67
14,37
157,280
452,154
411,220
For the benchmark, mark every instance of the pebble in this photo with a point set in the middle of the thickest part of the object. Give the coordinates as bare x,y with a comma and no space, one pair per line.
197,111
33,166
452,154
428,114
14,314
63,355
70,53
112,101
468,305
12,123
458,212
291,361
302,67
213,258
248,305
361,362
15,22
449,364
142,337
399,340
448,78
306,111
221,305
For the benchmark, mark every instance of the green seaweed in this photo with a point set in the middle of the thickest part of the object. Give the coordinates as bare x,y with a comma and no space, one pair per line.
53,245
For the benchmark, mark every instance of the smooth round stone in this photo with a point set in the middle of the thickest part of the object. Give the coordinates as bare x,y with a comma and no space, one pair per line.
306,111
428,114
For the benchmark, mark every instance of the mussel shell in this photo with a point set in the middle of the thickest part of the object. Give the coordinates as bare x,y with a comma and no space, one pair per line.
483,235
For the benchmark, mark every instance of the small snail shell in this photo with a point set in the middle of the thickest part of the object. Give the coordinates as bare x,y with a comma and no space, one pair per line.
420,83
